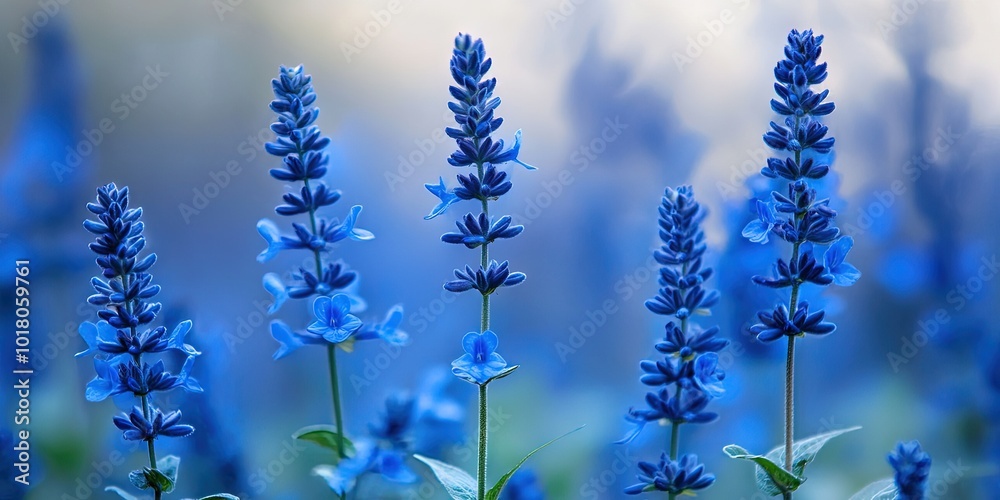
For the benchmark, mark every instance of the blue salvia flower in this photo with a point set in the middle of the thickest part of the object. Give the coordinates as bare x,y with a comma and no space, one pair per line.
475,115
795,212
123,339
476,121
911,467
301,146
688,377
677,477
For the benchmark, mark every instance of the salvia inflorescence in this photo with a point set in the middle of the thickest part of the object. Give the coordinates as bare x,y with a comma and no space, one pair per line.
329,284
685,380
124,342
474,107
797,214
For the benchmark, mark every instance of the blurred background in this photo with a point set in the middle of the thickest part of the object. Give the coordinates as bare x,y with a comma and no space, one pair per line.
617,100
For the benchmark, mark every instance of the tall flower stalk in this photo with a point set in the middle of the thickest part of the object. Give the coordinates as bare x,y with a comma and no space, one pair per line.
474,107
798,215
688,376
301,146
124,340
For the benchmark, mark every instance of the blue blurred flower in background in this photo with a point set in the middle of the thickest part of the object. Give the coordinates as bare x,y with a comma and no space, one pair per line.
911,467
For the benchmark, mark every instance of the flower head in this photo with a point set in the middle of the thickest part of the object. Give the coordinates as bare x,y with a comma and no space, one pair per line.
911,466
124,340
302,149
797,214
775,324
480,363
334,320
136,427
684,476
486,281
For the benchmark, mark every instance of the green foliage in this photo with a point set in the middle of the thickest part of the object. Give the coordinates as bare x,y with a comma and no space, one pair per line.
459,484
771,477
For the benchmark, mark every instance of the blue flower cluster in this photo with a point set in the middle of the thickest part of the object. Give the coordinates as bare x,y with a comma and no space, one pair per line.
677,477
422,424
688,377
300,145
796,214
911,466
475,113
123,339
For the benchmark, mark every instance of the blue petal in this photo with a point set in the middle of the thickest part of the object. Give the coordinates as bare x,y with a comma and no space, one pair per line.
175,340
95,333
517,149
342,477
272,236
447,198
756,231
274,286
392,466
354,233
287,339
189,383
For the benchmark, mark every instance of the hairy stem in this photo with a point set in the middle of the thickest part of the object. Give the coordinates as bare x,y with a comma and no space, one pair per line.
790,355
484,325
483,420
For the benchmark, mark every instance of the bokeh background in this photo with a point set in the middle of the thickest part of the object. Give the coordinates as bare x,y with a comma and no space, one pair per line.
620,98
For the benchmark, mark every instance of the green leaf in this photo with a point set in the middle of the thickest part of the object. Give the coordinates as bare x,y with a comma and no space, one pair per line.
121,492
157,480
778,479
138,479
168,465
494,492
459,484
803,452
883,489
325,436
503,373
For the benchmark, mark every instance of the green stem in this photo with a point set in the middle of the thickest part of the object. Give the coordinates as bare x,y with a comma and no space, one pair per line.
150,447
790,355
674,440
331,350
483,424
484,324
